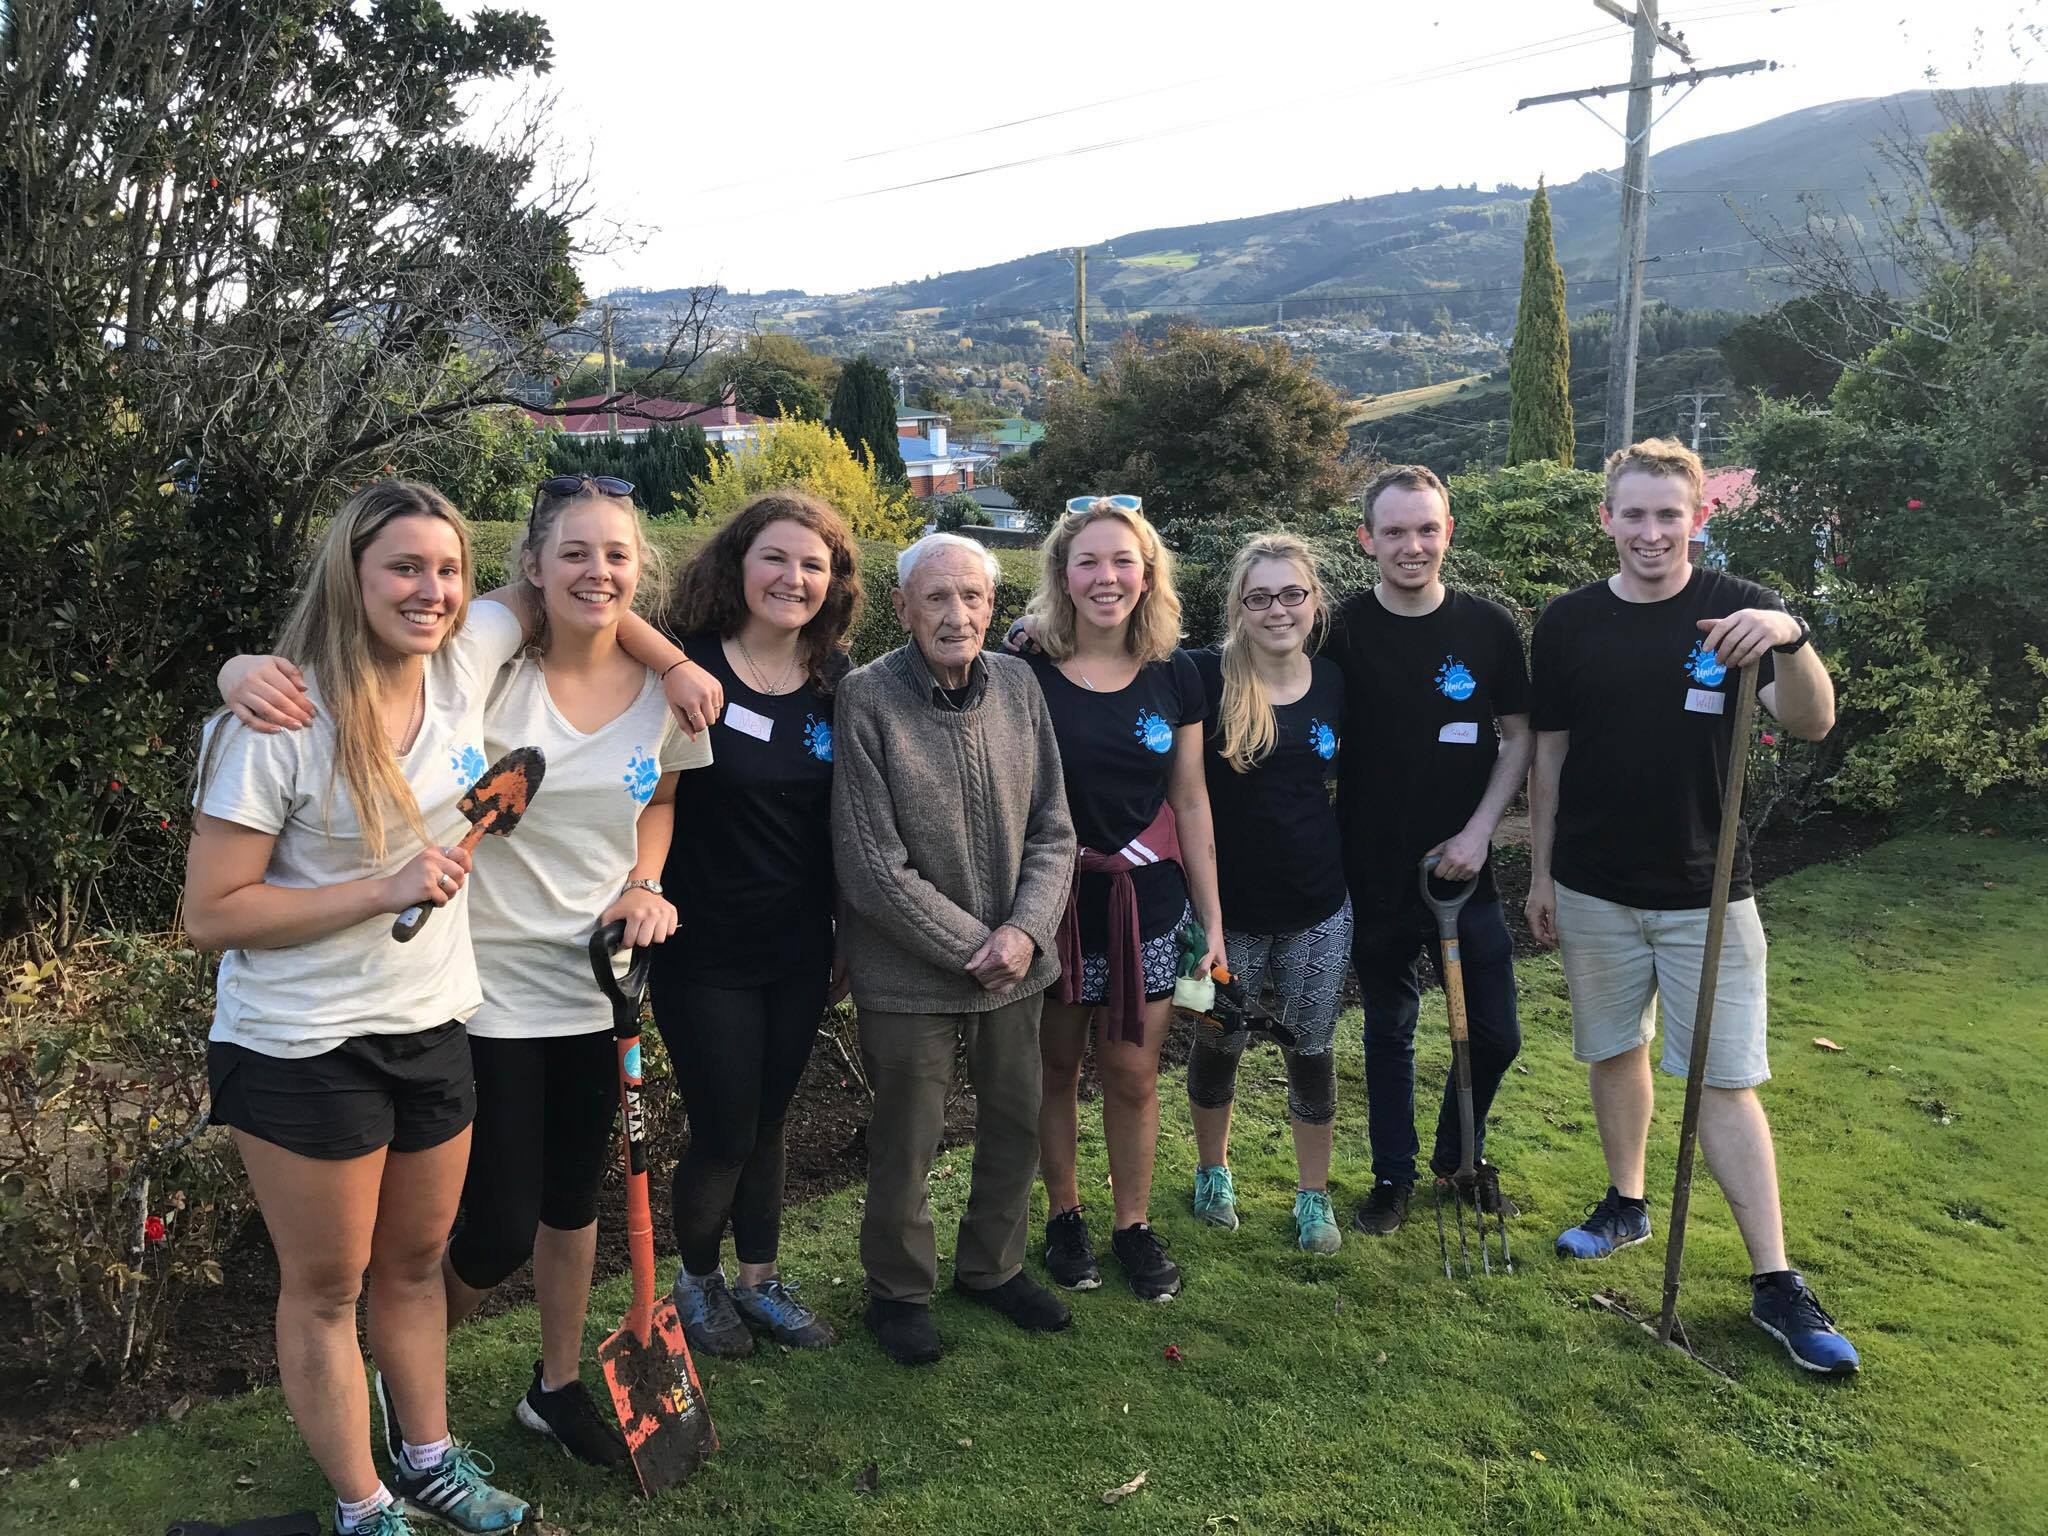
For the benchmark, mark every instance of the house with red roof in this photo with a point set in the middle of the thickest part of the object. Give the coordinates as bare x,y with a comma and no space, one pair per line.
724,424
1724,490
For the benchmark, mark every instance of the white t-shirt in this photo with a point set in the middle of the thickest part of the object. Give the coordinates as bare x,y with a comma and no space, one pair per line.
307,998
539,892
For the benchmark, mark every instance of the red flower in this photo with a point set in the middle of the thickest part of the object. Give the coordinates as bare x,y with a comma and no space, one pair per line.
1770,740
1173,1353
1841,559
114,784
153,1230
1915,505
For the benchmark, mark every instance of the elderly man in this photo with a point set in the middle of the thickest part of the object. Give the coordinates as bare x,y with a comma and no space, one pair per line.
955,854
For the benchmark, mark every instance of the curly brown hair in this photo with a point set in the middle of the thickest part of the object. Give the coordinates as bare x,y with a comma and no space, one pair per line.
710,593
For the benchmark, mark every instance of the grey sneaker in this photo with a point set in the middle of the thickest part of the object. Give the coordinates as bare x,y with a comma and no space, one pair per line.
772,1308
711,1325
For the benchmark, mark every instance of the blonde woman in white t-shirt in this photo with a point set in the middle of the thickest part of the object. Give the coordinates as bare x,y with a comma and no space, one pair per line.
588,852
337,1055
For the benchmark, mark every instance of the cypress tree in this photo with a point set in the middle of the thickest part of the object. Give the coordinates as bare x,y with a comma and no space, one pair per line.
1539,370
864,416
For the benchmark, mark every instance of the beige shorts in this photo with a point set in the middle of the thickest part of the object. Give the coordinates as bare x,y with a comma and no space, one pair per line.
1621,962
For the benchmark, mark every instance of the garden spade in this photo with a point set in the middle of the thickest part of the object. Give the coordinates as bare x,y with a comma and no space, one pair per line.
1667,1328
493,805
1473,1182
647,1366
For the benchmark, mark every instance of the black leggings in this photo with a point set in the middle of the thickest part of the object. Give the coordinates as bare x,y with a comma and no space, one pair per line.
739,1054
545,1109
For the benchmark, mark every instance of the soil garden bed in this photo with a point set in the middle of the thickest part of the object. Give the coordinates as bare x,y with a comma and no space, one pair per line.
221,1343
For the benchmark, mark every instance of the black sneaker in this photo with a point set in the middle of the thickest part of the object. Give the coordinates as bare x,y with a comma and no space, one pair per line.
1023,1301
904,1330
1152,1274
1383,1211
1069,1256
1492,1199
572,1418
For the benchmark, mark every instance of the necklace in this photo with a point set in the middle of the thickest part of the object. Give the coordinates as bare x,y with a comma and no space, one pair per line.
413,721
761,677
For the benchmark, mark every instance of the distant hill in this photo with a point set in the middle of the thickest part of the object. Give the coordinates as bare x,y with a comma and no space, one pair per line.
1406,255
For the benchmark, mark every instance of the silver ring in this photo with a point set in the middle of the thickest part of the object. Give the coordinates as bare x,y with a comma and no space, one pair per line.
446,883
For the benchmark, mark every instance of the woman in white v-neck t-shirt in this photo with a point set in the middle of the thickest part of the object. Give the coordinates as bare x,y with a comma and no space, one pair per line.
337,1055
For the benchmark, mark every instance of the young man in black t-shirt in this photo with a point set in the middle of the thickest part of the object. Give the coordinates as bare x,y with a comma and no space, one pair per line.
1437,693
1633,678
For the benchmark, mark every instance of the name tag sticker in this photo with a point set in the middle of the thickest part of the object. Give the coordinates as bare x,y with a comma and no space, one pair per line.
747,723
1460,730
1704,701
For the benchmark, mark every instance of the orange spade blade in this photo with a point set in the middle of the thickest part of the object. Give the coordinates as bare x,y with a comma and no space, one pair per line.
660,1405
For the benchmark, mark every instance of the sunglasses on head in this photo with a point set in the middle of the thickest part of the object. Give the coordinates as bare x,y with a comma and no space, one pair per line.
1121,503
570,485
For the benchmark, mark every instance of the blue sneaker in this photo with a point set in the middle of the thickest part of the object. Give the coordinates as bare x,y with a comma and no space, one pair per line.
1783,1307
458,1493
772,1308
1613,1223
711,1326
1216,1197
1314,1227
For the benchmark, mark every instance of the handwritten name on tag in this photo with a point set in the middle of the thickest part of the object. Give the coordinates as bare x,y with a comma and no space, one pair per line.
1704,701
747,723
1460,730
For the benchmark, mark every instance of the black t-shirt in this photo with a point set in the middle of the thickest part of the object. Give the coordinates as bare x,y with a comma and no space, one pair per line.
1116,756
1428,688
1651,716
750,866
1278,862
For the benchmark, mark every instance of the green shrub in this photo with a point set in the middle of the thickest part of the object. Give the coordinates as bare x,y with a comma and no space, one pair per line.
115,1195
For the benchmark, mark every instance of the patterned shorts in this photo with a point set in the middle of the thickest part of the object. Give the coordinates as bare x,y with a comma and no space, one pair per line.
1159,958
1305,971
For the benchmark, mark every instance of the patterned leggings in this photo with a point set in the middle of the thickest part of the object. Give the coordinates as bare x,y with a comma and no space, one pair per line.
1306,970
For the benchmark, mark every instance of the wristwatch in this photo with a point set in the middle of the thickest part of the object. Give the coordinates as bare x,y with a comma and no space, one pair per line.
1805,634
643,885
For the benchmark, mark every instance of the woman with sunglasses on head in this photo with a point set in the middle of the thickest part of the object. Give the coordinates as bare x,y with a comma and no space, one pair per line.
337,1056
1127,707
738,993
1275,717
539,1047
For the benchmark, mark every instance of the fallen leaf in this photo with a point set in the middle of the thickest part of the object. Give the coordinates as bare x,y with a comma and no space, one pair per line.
966,1442
757,1381
245,1481
1521,1069
1538,1456
1127,1407
73,1485
1380,1358
1825,1043
1123,1490
865,1483
179,1409
1173,1353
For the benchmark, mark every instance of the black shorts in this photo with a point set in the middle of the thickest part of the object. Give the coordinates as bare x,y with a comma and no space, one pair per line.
405,1092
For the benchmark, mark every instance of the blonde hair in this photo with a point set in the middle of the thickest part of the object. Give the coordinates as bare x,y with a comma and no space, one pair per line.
1657,456
540,527
1245,727
1153,630
328,635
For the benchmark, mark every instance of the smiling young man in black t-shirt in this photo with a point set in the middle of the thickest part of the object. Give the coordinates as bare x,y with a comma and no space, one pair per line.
1633,677
1437,694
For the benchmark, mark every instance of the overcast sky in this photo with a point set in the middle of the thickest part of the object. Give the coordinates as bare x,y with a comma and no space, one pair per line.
752,145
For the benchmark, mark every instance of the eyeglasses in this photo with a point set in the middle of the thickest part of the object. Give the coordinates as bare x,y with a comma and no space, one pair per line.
570,485
1121,503
1286,597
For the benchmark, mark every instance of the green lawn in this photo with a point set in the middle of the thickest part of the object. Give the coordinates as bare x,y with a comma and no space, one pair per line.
1364,1392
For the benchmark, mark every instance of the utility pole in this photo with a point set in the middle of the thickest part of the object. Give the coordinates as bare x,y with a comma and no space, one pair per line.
1081,305
611,372
1648,35
1699,399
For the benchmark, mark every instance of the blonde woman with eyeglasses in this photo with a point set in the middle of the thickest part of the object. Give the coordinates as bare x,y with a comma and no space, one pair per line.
1127,706
1275,721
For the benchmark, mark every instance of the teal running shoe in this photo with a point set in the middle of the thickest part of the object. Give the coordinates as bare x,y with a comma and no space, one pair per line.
1216,1197
388,1521
1314,1227
458,1493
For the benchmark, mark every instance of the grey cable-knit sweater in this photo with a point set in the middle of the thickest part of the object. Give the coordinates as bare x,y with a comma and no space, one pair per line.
946,824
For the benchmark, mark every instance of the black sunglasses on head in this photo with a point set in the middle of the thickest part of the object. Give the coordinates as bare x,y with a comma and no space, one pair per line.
570,485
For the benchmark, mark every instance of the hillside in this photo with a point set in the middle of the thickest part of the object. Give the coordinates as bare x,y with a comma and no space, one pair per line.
1405,257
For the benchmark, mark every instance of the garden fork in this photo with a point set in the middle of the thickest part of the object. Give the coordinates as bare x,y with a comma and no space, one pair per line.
1473,1181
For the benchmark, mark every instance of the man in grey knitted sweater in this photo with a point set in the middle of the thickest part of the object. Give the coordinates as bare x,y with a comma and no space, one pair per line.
955,857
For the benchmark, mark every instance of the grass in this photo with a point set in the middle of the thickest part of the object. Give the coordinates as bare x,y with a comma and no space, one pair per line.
1380,407
1170,261
1364,1392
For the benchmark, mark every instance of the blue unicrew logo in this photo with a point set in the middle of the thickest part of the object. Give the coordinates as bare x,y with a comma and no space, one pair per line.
818,737
1323,739
1154,732
468,764
1454,680
1703,666
642,774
